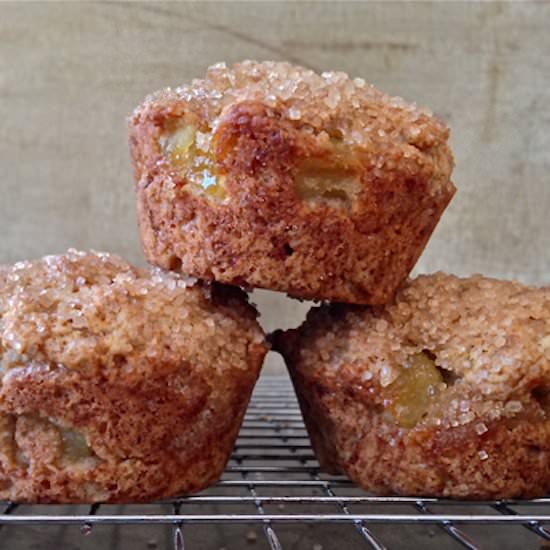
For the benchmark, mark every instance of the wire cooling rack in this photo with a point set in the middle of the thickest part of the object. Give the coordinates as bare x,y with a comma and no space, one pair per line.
273,496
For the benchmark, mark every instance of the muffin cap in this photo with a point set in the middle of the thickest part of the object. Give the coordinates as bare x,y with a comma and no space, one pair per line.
94,312
494,334
327,104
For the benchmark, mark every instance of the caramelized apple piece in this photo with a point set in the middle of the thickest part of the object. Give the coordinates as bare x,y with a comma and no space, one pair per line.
411,393
320,183
188,152
75,446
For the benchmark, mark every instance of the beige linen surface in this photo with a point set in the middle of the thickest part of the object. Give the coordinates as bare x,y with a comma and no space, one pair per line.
70,73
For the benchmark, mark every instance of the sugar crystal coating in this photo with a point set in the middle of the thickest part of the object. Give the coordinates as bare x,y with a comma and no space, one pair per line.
330,104
330,101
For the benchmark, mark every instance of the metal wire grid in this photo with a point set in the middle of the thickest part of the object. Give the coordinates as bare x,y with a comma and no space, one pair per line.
273,482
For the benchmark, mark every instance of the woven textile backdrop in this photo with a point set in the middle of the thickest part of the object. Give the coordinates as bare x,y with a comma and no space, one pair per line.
70,73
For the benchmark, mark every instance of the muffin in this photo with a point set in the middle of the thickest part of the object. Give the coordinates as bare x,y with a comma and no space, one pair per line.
444,392
118,384
269,175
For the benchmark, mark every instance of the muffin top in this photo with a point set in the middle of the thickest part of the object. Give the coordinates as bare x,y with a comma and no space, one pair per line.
331,107
489,339
96,313
330,102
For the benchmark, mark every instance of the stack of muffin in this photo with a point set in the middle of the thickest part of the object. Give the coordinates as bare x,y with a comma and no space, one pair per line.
125,384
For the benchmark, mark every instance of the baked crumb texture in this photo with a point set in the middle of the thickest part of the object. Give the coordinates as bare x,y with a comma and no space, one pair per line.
445,392
270,175
118,384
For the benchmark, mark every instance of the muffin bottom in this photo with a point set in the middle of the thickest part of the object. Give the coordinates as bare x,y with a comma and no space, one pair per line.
511,459
45,459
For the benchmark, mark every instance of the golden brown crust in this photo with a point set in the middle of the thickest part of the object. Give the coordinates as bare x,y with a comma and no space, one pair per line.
119,384
486,433
267,121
